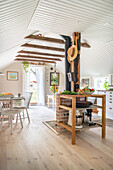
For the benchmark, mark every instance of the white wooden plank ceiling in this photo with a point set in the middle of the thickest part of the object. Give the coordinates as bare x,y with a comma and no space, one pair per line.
93,18
15,16
97,60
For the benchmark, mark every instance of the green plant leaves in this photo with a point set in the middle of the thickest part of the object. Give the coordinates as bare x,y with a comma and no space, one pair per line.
106,85
69,92
25,66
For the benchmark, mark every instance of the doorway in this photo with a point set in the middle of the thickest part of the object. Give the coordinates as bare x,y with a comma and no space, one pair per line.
37,84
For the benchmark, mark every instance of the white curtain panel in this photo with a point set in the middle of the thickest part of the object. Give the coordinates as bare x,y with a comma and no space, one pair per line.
26,82
40,78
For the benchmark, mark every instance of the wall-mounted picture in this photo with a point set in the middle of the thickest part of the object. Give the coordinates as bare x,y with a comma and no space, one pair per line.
54,79
12,75
84,82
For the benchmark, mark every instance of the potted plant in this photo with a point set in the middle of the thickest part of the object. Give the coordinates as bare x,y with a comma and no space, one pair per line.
25,66
54,89
106,85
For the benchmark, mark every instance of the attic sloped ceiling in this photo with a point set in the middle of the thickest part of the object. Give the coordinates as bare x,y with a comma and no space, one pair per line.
14,20
15,16
94,19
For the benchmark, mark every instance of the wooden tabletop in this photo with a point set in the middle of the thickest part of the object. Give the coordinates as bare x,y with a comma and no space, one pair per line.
12,98
82,95
18,98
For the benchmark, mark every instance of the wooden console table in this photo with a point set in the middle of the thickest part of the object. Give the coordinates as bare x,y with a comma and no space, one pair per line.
73,109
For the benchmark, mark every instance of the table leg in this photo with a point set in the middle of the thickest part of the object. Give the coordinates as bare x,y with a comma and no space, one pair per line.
11,117
103,116
11,121
86,98
53,103
73,121
48,101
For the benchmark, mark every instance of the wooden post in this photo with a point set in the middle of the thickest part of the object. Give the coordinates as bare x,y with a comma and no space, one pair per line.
73,67
76,62
73,120
68,43
73,81
103,116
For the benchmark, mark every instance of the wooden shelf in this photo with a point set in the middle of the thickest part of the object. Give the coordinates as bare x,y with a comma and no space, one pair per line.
81,108
66,126
65,107
85,126
90,107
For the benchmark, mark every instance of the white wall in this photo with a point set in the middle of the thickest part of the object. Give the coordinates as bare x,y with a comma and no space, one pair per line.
14,87
97,60
60,67
92,79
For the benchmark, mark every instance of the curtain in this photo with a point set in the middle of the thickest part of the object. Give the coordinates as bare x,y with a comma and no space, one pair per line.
40,78
26,82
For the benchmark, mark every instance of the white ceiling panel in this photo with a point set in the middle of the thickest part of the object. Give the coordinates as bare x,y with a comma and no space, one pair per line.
15,16
93,18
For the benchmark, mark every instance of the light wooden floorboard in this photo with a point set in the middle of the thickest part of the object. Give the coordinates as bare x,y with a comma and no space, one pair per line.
36,147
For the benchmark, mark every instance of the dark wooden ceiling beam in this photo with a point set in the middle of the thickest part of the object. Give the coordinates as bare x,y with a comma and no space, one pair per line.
86,45
53,40
38,53
43,47
30,60
37,57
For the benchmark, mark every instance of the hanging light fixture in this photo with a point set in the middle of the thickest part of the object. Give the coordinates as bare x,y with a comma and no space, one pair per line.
55,74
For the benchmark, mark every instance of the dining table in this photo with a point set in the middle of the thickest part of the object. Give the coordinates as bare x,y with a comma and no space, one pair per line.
10,99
